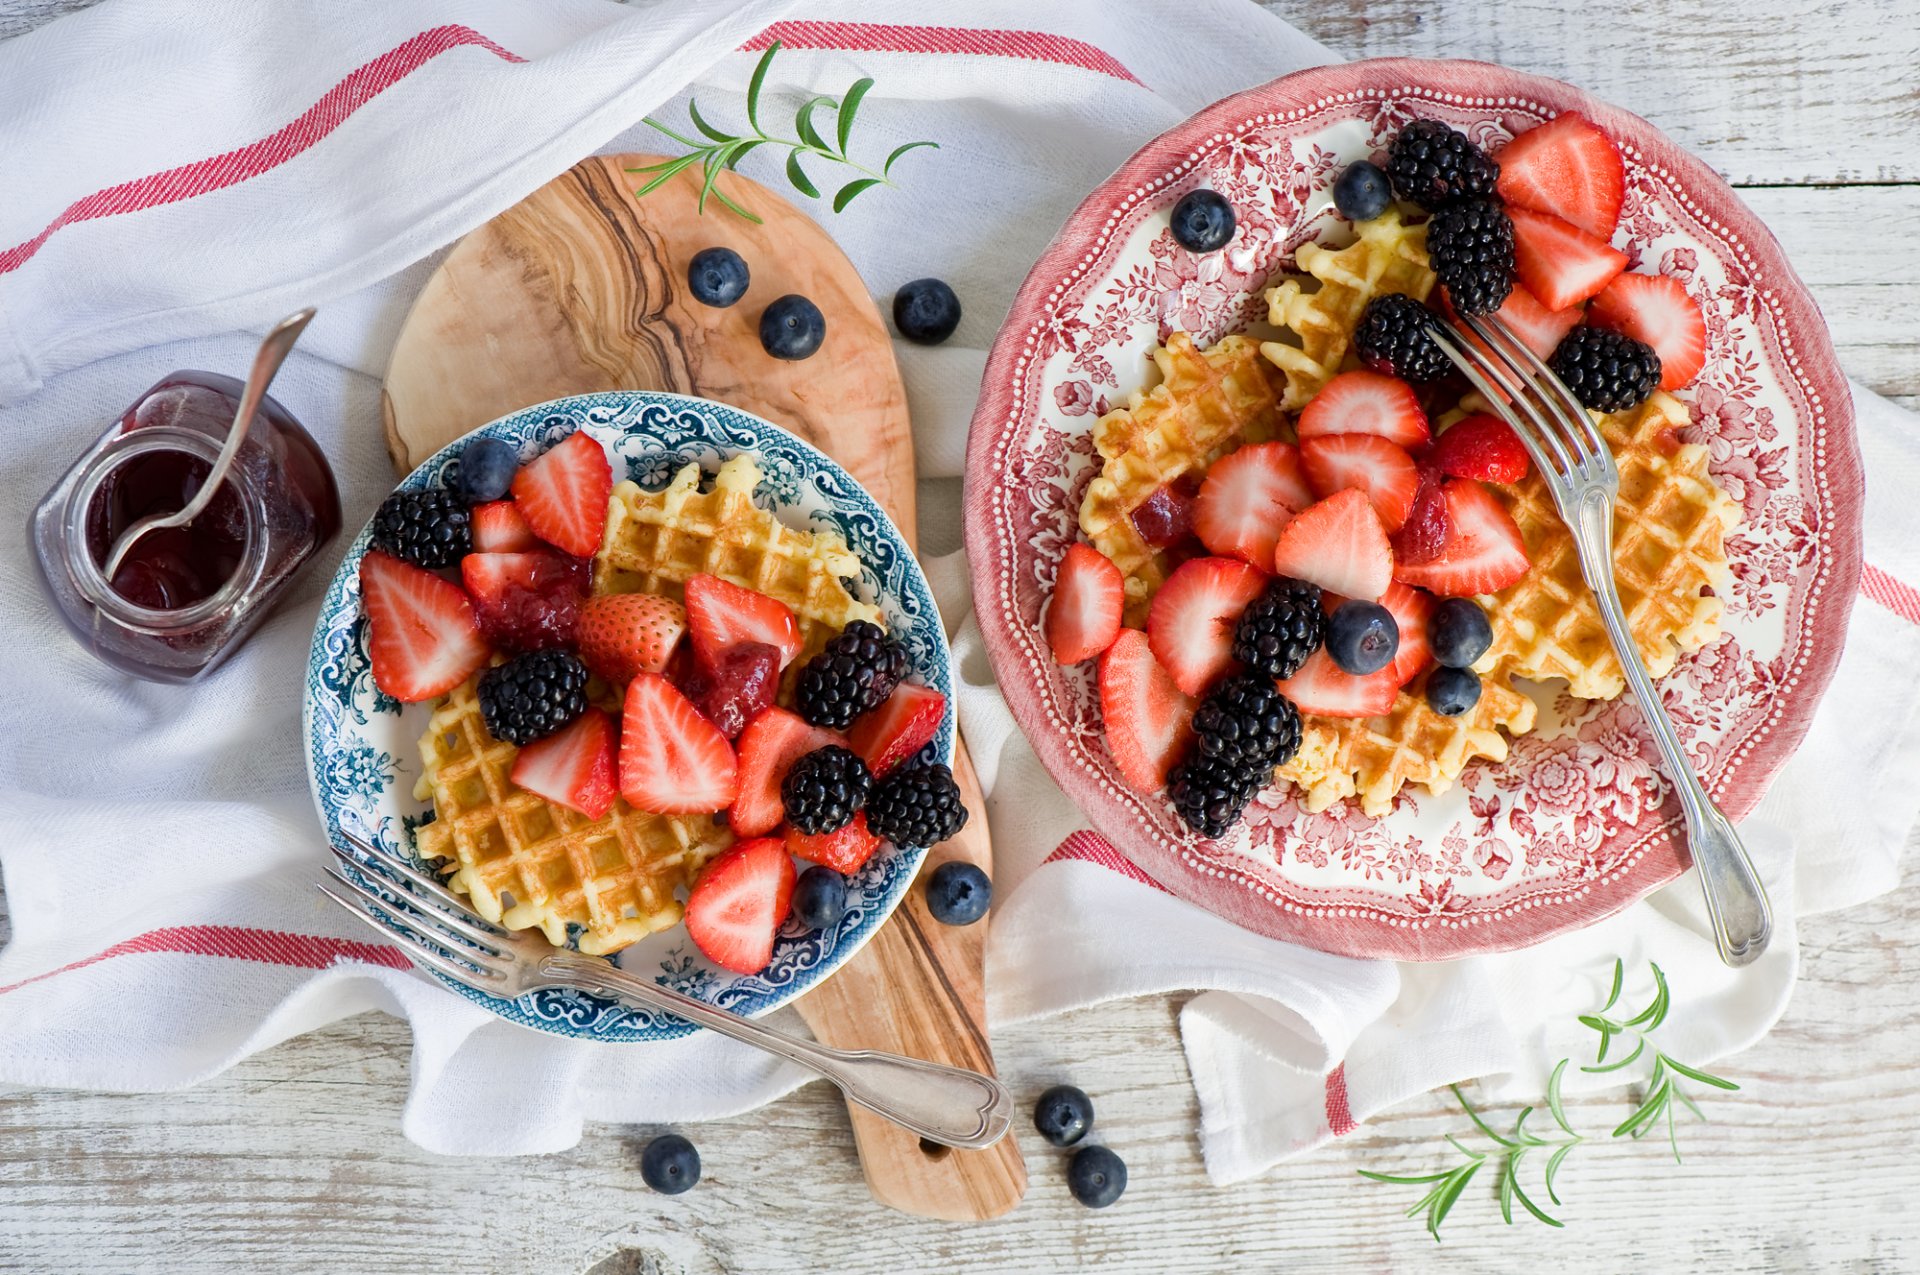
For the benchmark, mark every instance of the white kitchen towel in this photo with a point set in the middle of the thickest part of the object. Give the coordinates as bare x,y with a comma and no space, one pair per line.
160,845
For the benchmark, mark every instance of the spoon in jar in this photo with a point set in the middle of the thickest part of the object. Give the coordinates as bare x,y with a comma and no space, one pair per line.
266,361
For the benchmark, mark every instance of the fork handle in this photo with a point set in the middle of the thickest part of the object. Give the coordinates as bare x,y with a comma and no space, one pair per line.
947,1105
1737,905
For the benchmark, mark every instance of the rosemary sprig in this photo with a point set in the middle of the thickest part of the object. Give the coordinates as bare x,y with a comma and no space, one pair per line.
1663,1085
723,150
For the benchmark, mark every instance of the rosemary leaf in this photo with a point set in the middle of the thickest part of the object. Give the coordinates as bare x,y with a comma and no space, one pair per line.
1554,1103
803,124
886,169
755,84
1619,977
1553,1167
851,189
798,176
1694,1073
843,127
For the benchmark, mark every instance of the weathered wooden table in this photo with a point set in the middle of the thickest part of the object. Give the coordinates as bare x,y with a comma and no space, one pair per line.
294,1160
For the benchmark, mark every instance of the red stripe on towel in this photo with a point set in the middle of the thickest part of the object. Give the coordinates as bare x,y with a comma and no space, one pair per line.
1091,847
1339,1116
1895,595
878,37
268,947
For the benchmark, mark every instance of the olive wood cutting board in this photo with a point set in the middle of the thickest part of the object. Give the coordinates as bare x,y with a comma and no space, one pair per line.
580,288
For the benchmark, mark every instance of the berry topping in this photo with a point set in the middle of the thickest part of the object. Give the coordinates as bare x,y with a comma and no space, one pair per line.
1538,328
1247,497
1411,608
926,311
721,614
1606,370
1063,1113
1560,264
739,902
1655,310
562,494
717,277
1322,689
917,806
669,1164
1190,624
1338,544
792,328
621,634
899,728
1096,1176
673,761
958,893
1424,534
1452,691
1149,721
1203,221
1362,402
825,789
1483,553
1088,596
1165,517
769,746
573,767
1394,338
1480,446
819,898
1280,628
486,470
1566,167
1432,165
736,686
1209,796
1471,246
497,527
854,672
1362,637
422,637
427,528
1363,191
527,601
533,695
1247,725
845,849
1460,632
1366,463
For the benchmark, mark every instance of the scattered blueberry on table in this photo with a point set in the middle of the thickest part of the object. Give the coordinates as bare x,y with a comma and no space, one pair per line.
670,1165
717,277
1063,1115
926,311
1203,221
487,466
1363,192
1362,637
958,893
792,328
1452,691
819,898
1096,1176
1459,632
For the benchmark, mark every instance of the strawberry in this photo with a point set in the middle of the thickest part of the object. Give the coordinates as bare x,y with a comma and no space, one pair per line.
1149,722
844,850
498,528
422,636
1538,328
769,746
1566,167
1247,497
1483,554
1363,402
574,768
1656,309
739,903
1323,689
720,613
1190,625
1084,616
563,492
527,601
1339,545
1410,608
673,761
1366,463
621,634
1424,534
888,735
1559,264
735,687
1480,446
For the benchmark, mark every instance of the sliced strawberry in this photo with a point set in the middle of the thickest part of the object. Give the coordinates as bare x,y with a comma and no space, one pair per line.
888,735
1539,329
1484,553
1424,534
1566,167
738,905
563,492
720,613
621,634
844,850
769,746
1190,625
527,601
1247,497
498,528
1321,688
1363,402
735,687
1560,264
1165,517
1656,309
1088,596
1339,545
573,768
1149,722
422,634
1367,463
1480,446
673,761
1411,607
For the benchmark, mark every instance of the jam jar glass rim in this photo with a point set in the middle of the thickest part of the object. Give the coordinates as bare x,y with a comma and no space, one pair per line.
86,573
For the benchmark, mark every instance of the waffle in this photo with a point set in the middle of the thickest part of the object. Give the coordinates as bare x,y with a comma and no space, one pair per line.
1389,256
1207,404
1669,554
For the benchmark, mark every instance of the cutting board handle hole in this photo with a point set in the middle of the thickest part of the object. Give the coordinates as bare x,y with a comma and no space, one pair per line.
933,1150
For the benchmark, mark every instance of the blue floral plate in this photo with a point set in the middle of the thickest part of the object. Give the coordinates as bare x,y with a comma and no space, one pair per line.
363,754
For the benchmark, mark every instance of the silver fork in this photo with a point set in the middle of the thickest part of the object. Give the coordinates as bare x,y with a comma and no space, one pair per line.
436,929
1578,468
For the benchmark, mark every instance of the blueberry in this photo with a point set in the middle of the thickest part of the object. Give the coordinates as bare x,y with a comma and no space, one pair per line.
1203,221
1096,1176
1459,632
1452,691
1362,637
1063,1115
792,327
487,466
717,276
819,898
926,311
1363,192
669,1164
958,893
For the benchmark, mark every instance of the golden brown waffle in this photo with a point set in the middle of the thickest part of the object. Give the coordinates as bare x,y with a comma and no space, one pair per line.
1669,555
1389,256
614,877
1206,405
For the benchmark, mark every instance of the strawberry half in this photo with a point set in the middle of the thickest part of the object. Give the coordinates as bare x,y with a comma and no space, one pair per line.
844,850
769,746
574,767
1321,688
1480,446
1483,554
1560,264
673,761
738,905
1247,497
527,601
888,735
1539,329
621,634
1411,609
1656,309
1190,624
720,614
1084,616
1566,167
498,528
422,636
1363,402
1339,545
1366,463
1424,534
563,492
1149,722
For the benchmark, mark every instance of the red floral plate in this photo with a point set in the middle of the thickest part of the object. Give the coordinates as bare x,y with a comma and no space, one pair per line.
1578,822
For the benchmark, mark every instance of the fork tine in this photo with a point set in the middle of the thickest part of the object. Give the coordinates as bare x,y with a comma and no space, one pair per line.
1525,388
1532,435
413,914
417,951
1554,390
394,864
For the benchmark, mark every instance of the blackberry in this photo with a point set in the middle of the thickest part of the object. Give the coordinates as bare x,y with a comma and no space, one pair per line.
1280,628
853,673
916,806
1608,371
1247,724
1433,166
427,528
533,695
1471,246
1395,338
825,789
1209,795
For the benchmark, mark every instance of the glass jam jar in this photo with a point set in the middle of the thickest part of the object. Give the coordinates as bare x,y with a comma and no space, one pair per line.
185,597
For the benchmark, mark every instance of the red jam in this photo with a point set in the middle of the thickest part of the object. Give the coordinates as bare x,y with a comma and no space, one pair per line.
172,567
1165,518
